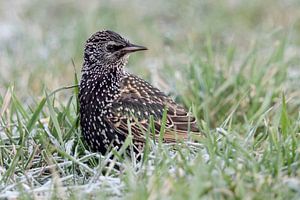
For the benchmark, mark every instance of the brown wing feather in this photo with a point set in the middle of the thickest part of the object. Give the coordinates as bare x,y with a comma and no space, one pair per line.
139,100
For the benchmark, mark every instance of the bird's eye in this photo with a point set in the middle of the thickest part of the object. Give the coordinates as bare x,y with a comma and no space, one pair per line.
113,47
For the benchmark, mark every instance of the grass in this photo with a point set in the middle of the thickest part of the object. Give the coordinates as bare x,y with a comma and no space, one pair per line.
236,68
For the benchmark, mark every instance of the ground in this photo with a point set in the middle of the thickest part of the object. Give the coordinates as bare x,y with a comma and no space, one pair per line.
234,63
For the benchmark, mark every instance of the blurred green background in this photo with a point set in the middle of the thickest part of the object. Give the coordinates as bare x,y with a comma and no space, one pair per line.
39,39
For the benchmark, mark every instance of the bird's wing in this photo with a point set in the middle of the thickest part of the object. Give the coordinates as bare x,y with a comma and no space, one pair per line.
138,101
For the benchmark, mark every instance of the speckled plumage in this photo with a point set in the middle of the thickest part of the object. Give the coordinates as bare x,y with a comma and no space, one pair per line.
110,98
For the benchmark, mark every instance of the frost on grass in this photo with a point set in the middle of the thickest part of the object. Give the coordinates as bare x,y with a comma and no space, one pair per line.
68,175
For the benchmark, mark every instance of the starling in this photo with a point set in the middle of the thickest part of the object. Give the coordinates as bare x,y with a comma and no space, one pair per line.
111,99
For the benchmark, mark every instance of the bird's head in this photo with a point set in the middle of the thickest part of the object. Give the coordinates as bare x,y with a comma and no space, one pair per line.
108,48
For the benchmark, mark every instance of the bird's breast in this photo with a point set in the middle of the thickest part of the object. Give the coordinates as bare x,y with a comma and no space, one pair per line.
98,95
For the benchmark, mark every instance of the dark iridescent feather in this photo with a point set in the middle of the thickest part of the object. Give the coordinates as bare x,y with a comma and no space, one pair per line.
139,100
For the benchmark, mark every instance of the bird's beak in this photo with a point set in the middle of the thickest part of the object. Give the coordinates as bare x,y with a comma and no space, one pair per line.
133,48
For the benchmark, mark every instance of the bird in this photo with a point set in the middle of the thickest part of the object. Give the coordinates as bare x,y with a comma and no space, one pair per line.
114,103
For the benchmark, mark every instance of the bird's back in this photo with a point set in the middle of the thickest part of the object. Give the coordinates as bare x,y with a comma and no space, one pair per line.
138,100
